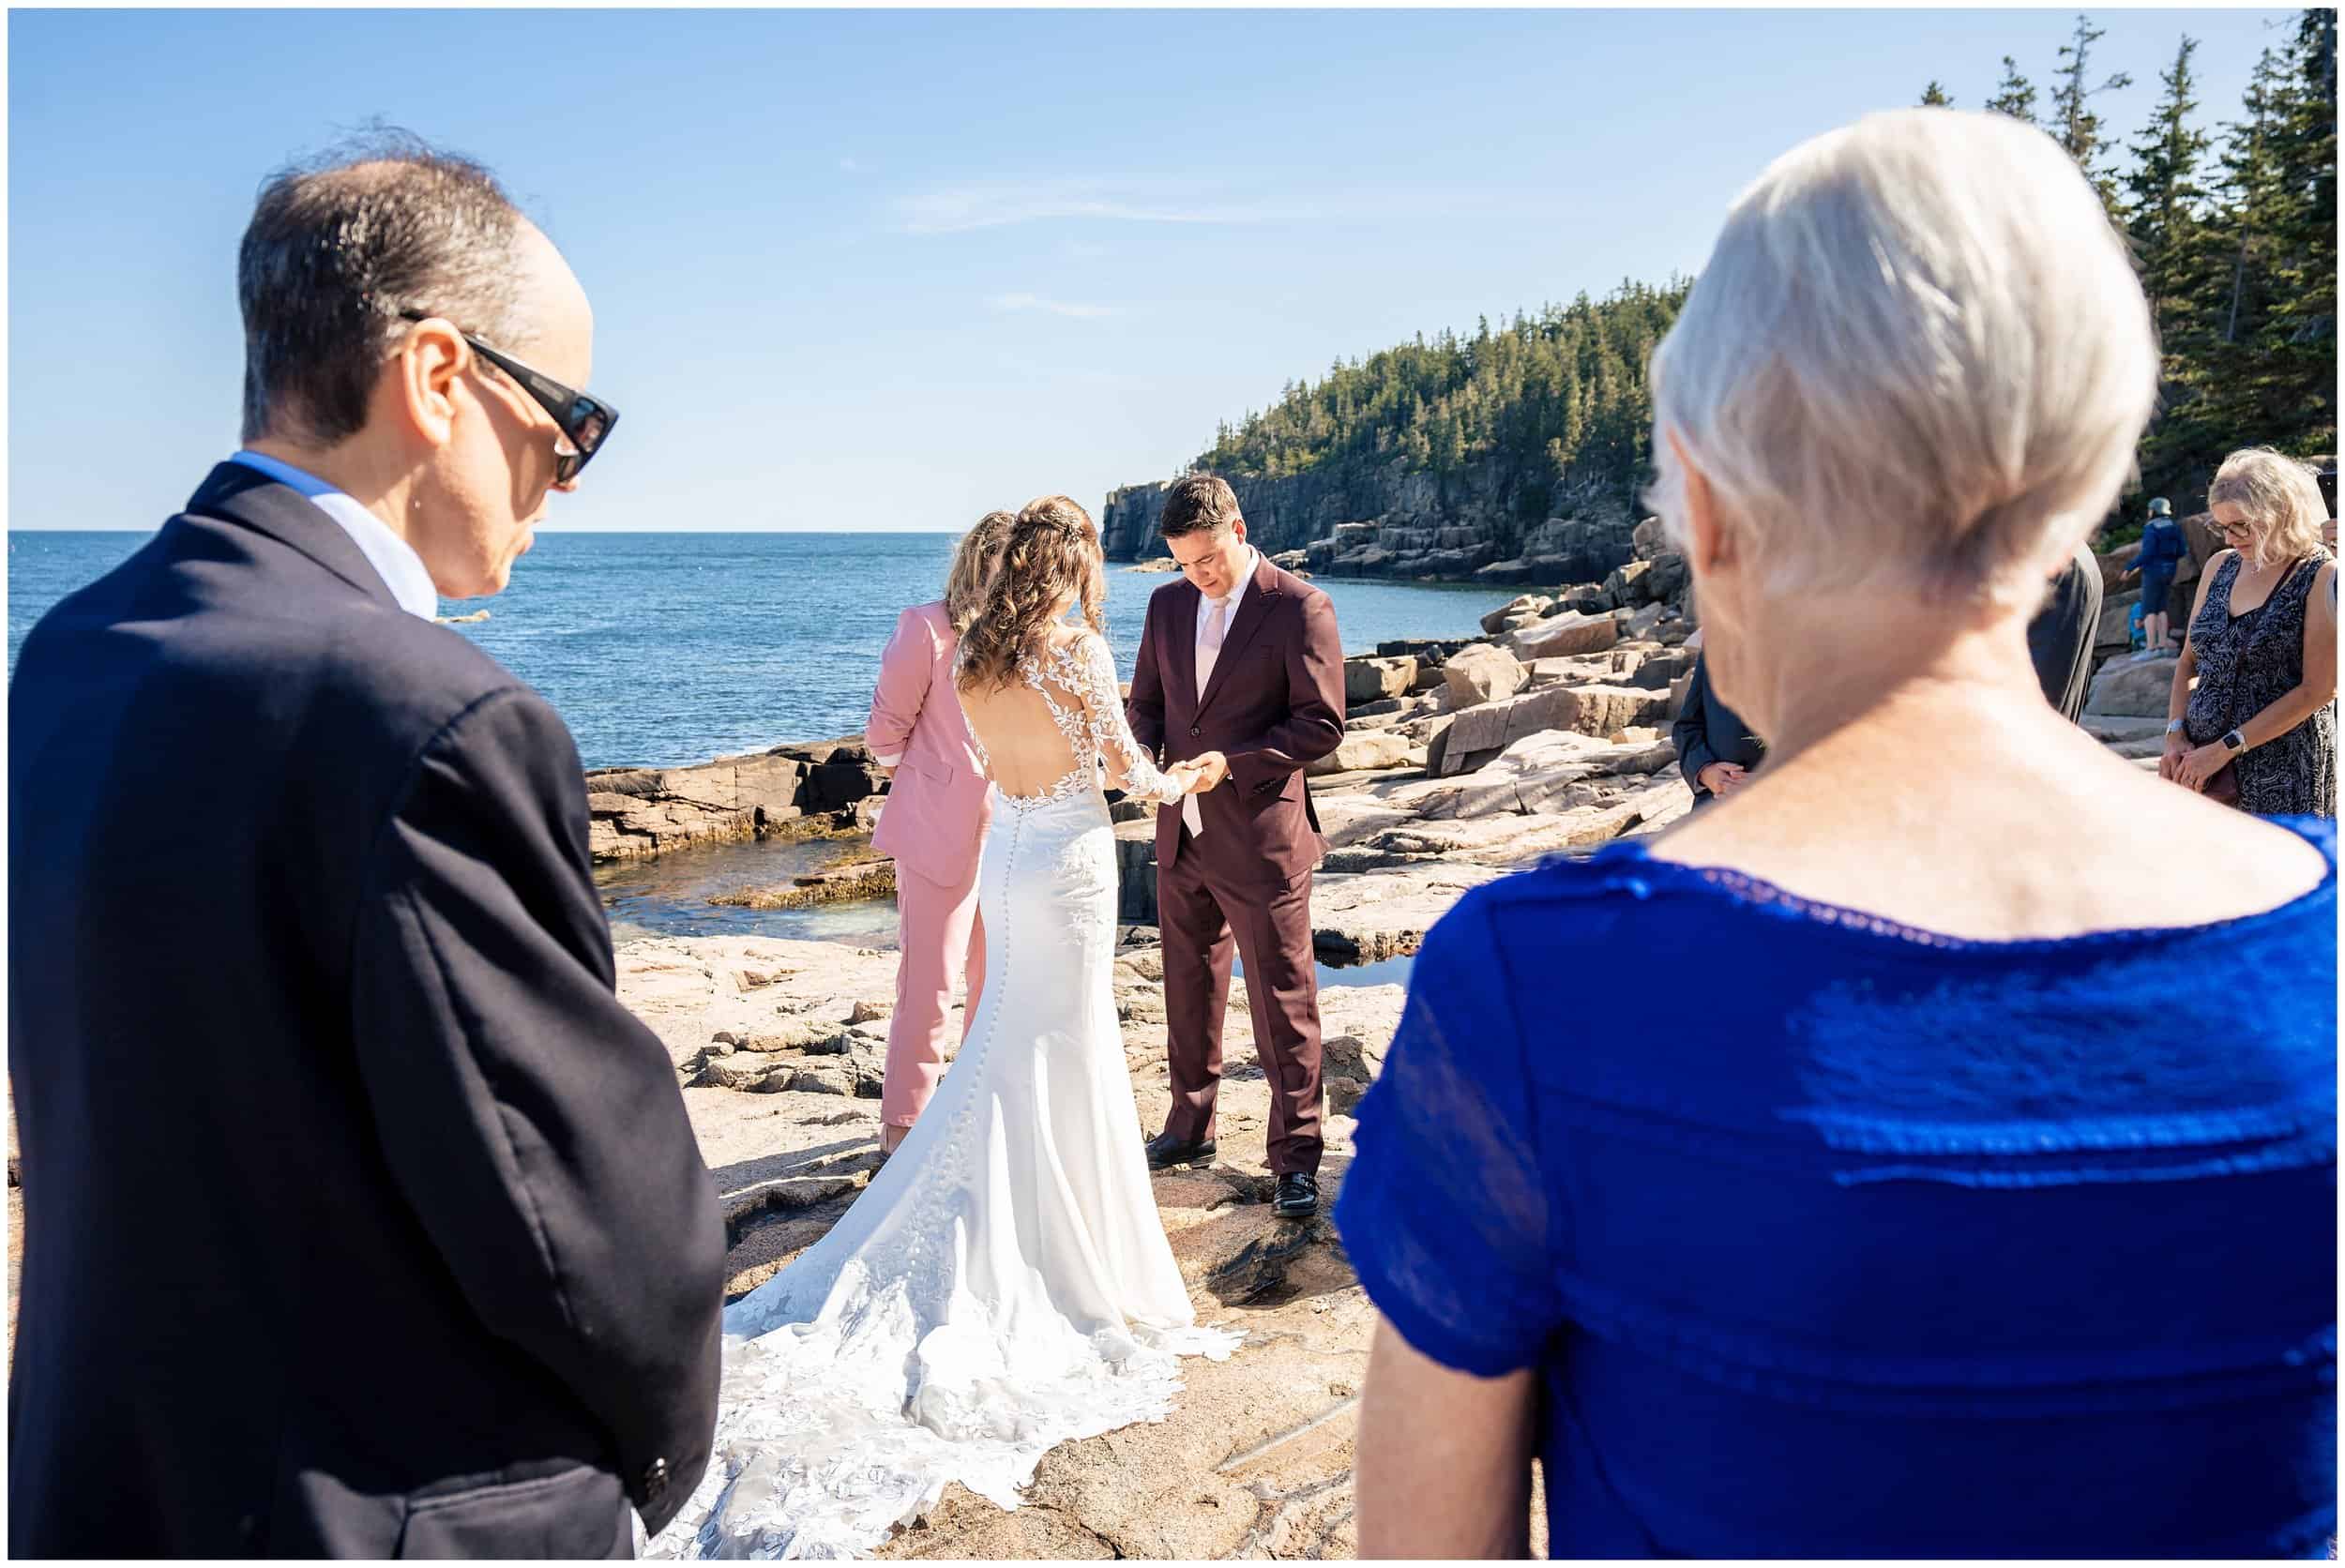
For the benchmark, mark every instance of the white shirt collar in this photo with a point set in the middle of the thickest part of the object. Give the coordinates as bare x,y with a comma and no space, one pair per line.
393,558
1254,564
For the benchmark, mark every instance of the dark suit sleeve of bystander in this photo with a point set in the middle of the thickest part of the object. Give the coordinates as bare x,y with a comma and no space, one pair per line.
1691,732
533,1124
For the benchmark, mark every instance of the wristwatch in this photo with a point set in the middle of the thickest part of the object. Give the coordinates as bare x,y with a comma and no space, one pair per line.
2173,726
2234,741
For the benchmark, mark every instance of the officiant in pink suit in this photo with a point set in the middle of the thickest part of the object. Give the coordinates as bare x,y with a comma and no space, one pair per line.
934,822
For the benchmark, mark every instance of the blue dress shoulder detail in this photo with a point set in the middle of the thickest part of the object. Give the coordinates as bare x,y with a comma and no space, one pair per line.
1828,1236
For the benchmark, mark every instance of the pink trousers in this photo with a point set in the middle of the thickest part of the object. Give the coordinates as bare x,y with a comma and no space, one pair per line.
939,928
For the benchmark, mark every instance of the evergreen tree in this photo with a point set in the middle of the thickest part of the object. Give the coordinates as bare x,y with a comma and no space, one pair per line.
2165,199
2015,94
2073,121
2234,233
1934,96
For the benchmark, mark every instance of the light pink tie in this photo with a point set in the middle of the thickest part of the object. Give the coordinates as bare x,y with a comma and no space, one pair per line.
1209,654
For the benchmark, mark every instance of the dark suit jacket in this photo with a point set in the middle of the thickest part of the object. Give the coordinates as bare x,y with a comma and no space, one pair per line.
1707,730
361,1218
1273,706
2059,637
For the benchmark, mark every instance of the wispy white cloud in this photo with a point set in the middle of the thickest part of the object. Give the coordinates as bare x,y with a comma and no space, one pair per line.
1055,307
992,204
852,165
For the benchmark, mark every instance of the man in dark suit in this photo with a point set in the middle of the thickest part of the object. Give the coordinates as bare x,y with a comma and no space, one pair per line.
1243,659
1716,750
361,1219
2060,636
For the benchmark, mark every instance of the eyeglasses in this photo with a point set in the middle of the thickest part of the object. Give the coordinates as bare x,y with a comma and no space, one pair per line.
585,420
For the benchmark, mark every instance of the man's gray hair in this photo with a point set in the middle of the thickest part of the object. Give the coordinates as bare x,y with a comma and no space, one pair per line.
1918,354
338,248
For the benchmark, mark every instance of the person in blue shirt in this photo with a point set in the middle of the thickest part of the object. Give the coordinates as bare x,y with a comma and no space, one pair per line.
2163,550
1835,1175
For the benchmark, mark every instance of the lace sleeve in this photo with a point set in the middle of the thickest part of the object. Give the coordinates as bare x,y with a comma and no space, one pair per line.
1130,768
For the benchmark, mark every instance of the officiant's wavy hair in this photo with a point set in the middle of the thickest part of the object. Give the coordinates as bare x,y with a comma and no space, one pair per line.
1053,552
337,246
973,561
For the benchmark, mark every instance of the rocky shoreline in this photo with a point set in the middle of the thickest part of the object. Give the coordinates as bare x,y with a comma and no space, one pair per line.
1462,758
1461,761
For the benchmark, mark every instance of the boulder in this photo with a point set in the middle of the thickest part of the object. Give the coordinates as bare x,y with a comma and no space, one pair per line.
1482,732
1526,603
1136,871
1668,577
1372,680
2117,614
1482,673
1554,771
1562,635
2136,686
1649,539
1661,671
1627,584
1589,598
826,1080
1425,650
740,1070
796,1034
634,812
1369,749
1645,622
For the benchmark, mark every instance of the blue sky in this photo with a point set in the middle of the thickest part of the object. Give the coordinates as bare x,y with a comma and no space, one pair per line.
886,269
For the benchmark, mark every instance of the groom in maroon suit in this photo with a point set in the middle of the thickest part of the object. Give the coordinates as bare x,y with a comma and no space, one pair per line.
1241,659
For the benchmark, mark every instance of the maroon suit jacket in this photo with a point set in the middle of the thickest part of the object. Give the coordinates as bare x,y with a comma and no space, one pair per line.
1275,705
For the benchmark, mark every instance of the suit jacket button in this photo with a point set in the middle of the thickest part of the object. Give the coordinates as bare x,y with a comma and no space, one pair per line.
654,1479
1194,730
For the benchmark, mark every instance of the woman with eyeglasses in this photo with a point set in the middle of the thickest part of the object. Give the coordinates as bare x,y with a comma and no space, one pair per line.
2260,727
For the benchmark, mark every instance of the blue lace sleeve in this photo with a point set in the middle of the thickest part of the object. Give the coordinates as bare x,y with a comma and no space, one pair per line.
1446,1212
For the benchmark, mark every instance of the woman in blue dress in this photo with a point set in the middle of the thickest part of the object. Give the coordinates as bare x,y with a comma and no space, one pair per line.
1837,1176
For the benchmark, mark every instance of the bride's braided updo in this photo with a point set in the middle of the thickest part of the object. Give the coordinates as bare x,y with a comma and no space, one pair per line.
1052,553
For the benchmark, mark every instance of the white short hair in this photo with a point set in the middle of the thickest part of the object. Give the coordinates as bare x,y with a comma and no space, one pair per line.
1918,353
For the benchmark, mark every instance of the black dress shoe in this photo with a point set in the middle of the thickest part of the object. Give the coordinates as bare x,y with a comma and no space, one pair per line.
1298,1196
1164,1150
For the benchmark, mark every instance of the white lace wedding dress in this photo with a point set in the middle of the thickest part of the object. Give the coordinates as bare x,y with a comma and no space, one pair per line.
1003,1284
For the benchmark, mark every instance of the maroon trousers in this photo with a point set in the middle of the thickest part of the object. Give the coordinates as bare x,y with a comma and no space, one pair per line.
1198,914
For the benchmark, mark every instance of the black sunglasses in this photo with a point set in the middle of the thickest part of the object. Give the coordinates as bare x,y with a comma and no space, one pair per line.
585,419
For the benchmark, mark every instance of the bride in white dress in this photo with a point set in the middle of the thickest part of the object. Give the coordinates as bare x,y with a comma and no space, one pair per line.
1003,1284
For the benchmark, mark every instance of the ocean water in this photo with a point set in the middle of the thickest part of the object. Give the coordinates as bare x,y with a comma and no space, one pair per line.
665,648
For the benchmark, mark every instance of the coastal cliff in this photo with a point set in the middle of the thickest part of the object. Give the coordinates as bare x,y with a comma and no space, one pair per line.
1510,455
1385,522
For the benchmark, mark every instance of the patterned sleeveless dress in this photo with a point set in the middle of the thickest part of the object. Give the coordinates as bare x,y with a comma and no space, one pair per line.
2246,664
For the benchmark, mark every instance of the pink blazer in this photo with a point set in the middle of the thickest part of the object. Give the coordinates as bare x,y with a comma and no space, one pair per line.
934,816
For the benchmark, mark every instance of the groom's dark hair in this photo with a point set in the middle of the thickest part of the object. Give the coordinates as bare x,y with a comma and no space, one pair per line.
1197,501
